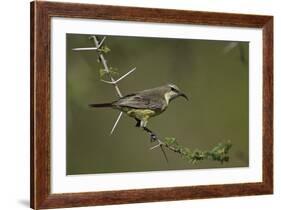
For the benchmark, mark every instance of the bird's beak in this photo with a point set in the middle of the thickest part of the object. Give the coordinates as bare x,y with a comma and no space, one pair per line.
183,95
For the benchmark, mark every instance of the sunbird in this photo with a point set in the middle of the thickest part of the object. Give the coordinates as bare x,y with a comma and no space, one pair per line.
145,104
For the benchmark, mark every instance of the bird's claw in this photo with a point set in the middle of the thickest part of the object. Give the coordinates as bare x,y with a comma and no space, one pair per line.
153,138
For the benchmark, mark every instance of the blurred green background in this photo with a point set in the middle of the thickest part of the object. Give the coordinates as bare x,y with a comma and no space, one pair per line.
214,75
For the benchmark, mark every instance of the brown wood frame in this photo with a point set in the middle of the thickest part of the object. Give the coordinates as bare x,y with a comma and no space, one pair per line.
41,14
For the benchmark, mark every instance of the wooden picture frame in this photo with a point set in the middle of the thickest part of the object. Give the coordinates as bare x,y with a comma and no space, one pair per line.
41,14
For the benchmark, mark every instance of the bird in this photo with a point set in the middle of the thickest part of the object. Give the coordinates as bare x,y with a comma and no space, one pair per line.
143,105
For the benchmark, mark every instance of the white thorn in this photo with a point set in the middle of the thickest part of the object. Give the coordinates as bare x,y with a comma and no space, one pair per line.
100,44
154,147
90,48
116,122
108,82
118,80
85,49
125,75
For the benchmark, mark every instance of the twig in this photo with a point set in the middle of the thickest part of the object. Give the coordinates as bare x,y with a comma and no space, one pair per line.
160,144
98,46
217,153
104,62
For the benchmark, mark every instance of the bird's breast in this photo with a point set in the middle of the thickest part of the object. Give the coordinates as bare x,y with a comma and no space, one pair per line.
141,113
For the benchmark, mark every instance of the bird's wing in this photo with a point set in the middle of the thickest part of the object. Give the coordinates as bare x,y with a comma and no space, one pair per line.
139,101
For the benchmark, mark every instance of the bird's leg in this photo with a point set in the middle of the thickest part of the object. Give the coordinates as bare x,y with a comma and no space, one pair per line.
138,123
152,135
153,138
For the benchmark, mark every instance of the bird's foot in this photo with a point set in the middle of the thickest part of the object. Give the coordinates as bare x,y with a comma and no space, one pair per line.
153,137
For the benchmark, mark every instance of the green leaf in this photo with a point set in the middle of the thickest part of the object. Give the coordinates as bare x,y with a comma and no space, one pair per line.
102,72
104,49
170,140
113,71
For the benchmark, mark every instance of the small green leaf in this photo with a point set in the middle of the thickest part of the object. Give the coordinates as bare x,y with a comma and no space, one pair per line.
170,140
104,49
102,72
113,71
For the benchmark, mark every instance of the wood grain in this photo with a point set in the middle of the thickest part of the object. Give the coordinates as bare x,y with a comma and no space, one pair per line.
41,14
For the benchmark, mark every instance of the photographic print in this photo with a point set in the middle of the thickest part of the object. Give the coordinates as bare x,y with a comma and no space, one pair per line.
140,104
134,105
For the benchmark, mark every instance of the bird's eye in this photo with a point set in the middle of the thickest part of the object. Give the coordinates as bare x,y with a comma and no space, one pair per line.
174,89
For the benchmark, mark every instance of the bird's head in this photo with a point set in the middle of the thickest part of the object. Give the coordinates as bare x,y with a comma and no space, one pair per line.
172,92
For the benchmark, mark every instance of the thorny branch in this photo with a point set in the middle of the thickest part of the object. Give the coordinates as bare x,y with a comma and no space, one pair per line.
106,69
100,50
218,153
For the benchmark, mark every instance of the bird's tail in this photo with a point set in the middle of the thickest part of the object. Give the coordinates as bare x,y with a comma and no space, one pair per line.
103,105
